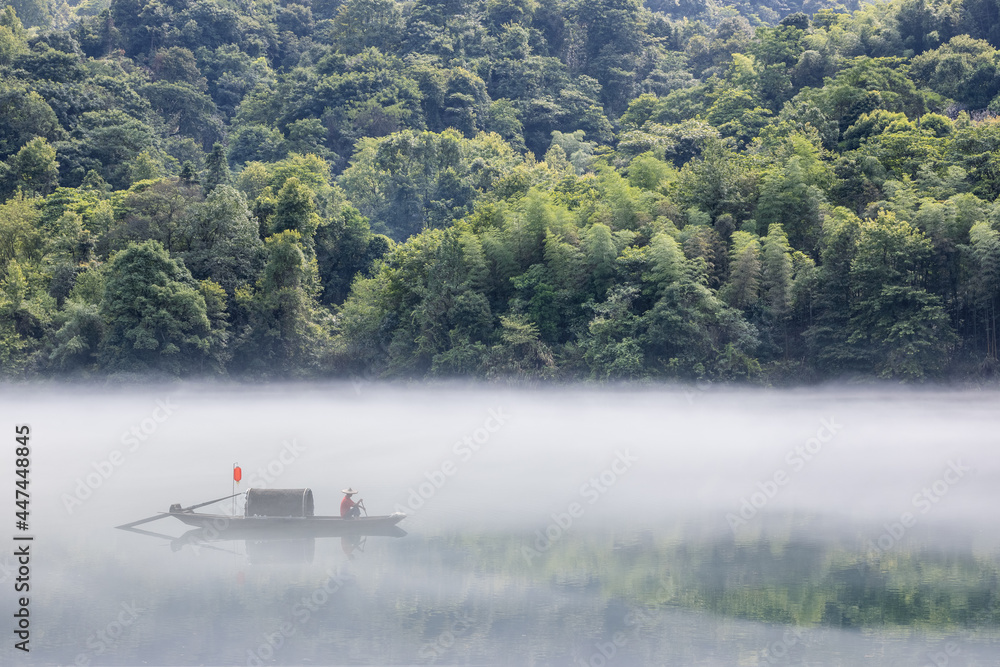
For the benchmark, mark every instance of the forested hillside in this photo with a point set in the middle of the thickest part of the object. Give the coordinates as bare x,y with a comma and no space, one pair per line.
557,189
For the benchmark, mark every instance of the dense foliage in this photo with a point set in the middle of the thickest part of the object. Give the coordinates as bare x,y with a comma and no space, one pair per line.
501,188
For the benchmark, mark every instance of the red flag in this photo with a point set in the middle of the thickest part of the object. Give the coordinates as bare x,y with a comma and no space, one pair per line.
237,473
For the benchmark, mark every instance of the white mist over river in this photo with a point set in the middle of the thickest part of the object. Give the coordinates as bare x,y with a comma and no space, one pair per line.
698,526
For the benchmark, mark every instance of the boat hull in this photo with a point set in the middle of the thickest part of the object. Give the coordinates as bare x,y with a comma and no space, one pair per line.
221,526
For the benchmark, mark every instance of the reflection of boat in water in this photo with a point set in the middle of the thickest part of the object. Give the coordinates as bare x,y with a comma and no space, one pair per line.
280,551
276,523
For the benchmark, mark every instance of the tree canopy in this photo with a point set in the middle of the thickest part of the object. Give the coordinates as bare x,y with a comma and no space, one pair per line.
761,192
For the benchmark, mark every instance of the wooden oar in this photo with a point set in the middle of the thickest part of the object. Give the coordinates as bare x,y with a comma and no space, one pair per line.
194,507
126,526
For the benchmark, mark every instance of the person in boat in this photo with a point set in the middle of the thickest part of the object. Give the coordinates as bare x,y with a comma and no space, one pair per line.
348,508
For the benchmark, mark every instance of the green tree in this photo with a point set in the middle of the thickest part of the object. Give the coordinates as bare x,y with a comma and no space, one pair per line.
743,289
296,210
15,342
897,327
983,257
410,181
34,169
107,142
600,255
346,247
453,319
964,69
776,276
283,331
24,114
520,353
13,40
256,142
864,85
827,336
186,109
20,235
74,345
220,240
156,316
144,167
362,24
689,333
792,195
718,181
159,210
178,65
611,347
32,12
216,168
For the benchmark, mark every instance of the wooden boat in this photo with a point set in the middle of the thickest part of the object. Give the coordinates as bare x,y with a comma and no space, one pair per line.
274,514
259,527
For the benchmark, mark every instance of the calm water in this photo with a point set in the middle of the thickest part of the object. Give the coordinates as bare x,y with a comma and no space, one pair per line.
564,527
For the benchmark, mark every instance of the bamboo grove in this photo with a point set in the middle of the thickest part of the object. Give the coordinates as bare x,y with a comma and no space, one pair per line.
527,189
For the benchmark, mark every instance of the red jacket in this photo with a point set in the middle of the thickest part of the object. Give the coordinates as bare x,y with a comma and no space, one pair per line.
346,505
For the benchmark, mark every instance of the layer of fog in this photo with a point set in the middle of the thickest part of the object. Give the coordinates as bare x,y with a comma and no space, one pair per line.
501,458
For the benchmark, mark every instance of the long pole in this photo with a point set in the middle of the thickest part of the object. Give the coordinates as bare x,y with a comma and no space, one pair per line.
163,514
234,487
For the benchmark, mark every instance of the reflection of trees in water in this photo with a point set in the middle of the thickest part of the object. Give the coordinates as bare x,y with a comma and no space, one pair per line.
799,581
472,597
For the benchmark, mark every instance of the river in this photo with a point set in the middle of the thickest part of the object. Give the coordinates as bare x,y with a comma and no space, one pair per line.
545,526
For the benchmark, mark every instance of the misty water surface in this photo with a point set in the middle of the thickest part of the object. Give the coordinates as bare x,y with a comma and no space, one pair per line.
695,526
